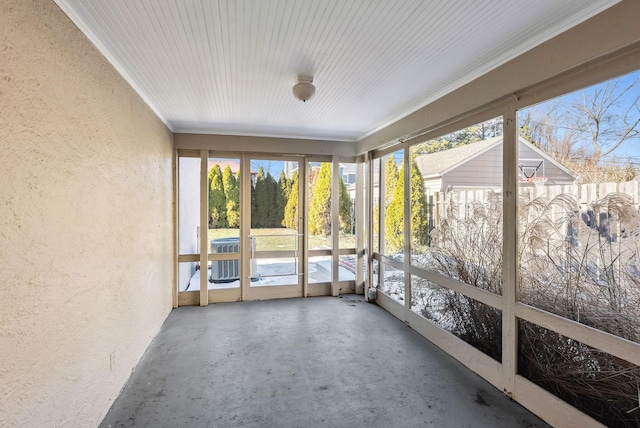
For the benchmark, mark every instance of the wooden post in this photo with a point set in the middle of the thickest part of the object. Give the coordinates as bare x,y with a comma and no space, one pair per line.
359,219
510,253
204,228
407,230
368,281
245,226
466,200
436,198
335,226
303,222
382,190
588,194
176,228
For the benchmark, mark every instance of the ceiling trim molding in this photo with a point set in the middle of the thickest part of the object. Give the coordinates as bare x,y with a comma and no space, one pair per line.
89,34
244,143
262,135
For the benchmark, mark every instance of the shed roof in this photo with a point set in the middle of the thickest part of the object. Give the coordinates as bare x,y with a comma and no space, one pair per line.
438,163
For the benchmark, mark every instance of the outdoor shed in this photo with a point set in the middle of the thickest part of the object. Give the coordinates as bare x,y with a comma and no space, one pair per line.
479,166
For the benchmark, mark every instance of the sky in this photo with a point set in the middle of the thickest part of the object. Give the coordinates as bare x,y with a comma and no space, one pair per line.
274,167
628,99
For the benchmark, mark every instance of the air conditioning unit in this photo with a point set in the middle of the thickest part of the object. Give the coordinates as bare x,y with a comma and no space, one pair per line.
227,270
225,245
224,271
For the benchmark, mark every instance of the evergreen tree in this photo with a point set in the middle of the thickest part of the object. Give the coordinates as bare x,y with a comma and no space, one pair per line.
217,199
266,201
313,174
394,218
419,207
254,210
290,220
320,206
261,201
345,209
272,217
278,203
232,194
433,146
284,185
390,179
525,132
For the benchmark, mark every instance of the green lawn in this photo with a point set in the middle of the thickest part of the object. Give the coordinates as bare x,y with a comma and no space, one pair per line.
282,239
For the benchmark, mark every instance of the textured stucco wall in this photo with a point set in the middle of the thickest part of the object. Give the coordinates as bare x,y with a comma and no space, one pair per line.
85,222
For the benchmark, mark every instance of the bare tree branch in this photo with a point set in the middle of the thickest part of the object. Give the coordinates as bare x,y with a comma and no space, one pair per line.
581,130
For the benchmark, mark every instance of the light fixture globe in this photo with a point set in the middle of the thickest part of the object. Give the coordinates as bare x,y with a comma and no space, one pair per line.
304,89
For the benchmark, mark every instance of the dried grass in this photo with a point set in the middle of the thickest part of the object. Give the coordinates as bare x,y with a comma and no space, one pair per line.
583,271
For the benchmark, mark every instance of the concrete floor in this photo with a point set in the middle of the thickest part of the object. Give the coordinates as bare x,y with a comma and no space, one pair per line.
316,362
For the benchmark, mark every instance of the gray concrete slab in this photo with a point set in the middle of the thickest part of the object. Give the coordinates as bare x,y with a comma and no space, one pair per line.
316,362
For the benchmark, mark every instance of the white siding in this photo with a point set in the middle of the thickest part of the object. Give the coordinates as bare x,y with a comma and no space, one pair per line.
483,171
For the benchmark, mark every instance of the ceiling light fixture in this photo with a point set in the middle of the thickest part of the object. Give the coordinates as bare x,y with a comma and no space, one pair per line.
304,89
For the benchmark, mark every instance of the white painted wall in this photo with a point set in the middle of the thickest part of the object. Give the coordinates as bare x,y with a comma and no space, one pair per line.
189,215
86,240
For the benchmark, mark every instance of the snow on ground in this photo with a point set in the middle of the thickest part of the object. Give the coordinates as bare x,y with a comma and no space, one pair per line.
271,272
425,295
320,271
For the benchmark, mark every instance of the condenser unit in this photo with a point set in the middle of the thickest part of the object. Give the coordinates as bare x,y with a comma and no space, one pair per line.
226,270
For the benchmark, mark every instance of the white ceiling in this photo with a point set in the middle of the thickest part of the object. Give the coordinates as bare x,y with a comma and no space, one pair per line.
228,66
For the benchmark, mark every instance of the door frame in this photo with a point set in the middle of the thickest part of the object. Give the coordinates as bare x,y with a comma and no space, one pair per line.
249,292
203,296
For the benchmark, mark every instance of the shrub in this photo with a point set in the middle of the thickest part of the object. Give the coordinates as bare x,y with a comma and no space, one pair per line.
580,266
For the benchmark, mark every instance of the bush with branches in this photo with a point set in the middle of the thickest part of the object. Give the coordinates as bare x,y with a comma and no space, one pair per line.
585,271
468,250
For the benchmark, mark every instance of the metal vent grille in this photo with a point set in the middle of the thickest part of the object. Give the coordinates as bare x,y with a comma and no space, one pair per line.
225,270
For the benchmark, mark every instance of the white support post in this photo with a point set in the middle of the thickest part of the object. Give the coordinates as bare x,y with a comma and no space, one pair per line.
368,281
510,246
176,228
335,225
407,230
204,228
382,190
245,225
359,218
303,223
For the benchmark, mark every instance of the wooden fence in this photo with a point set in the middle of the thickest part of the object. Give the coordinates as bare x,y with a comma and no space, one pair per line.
585,195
